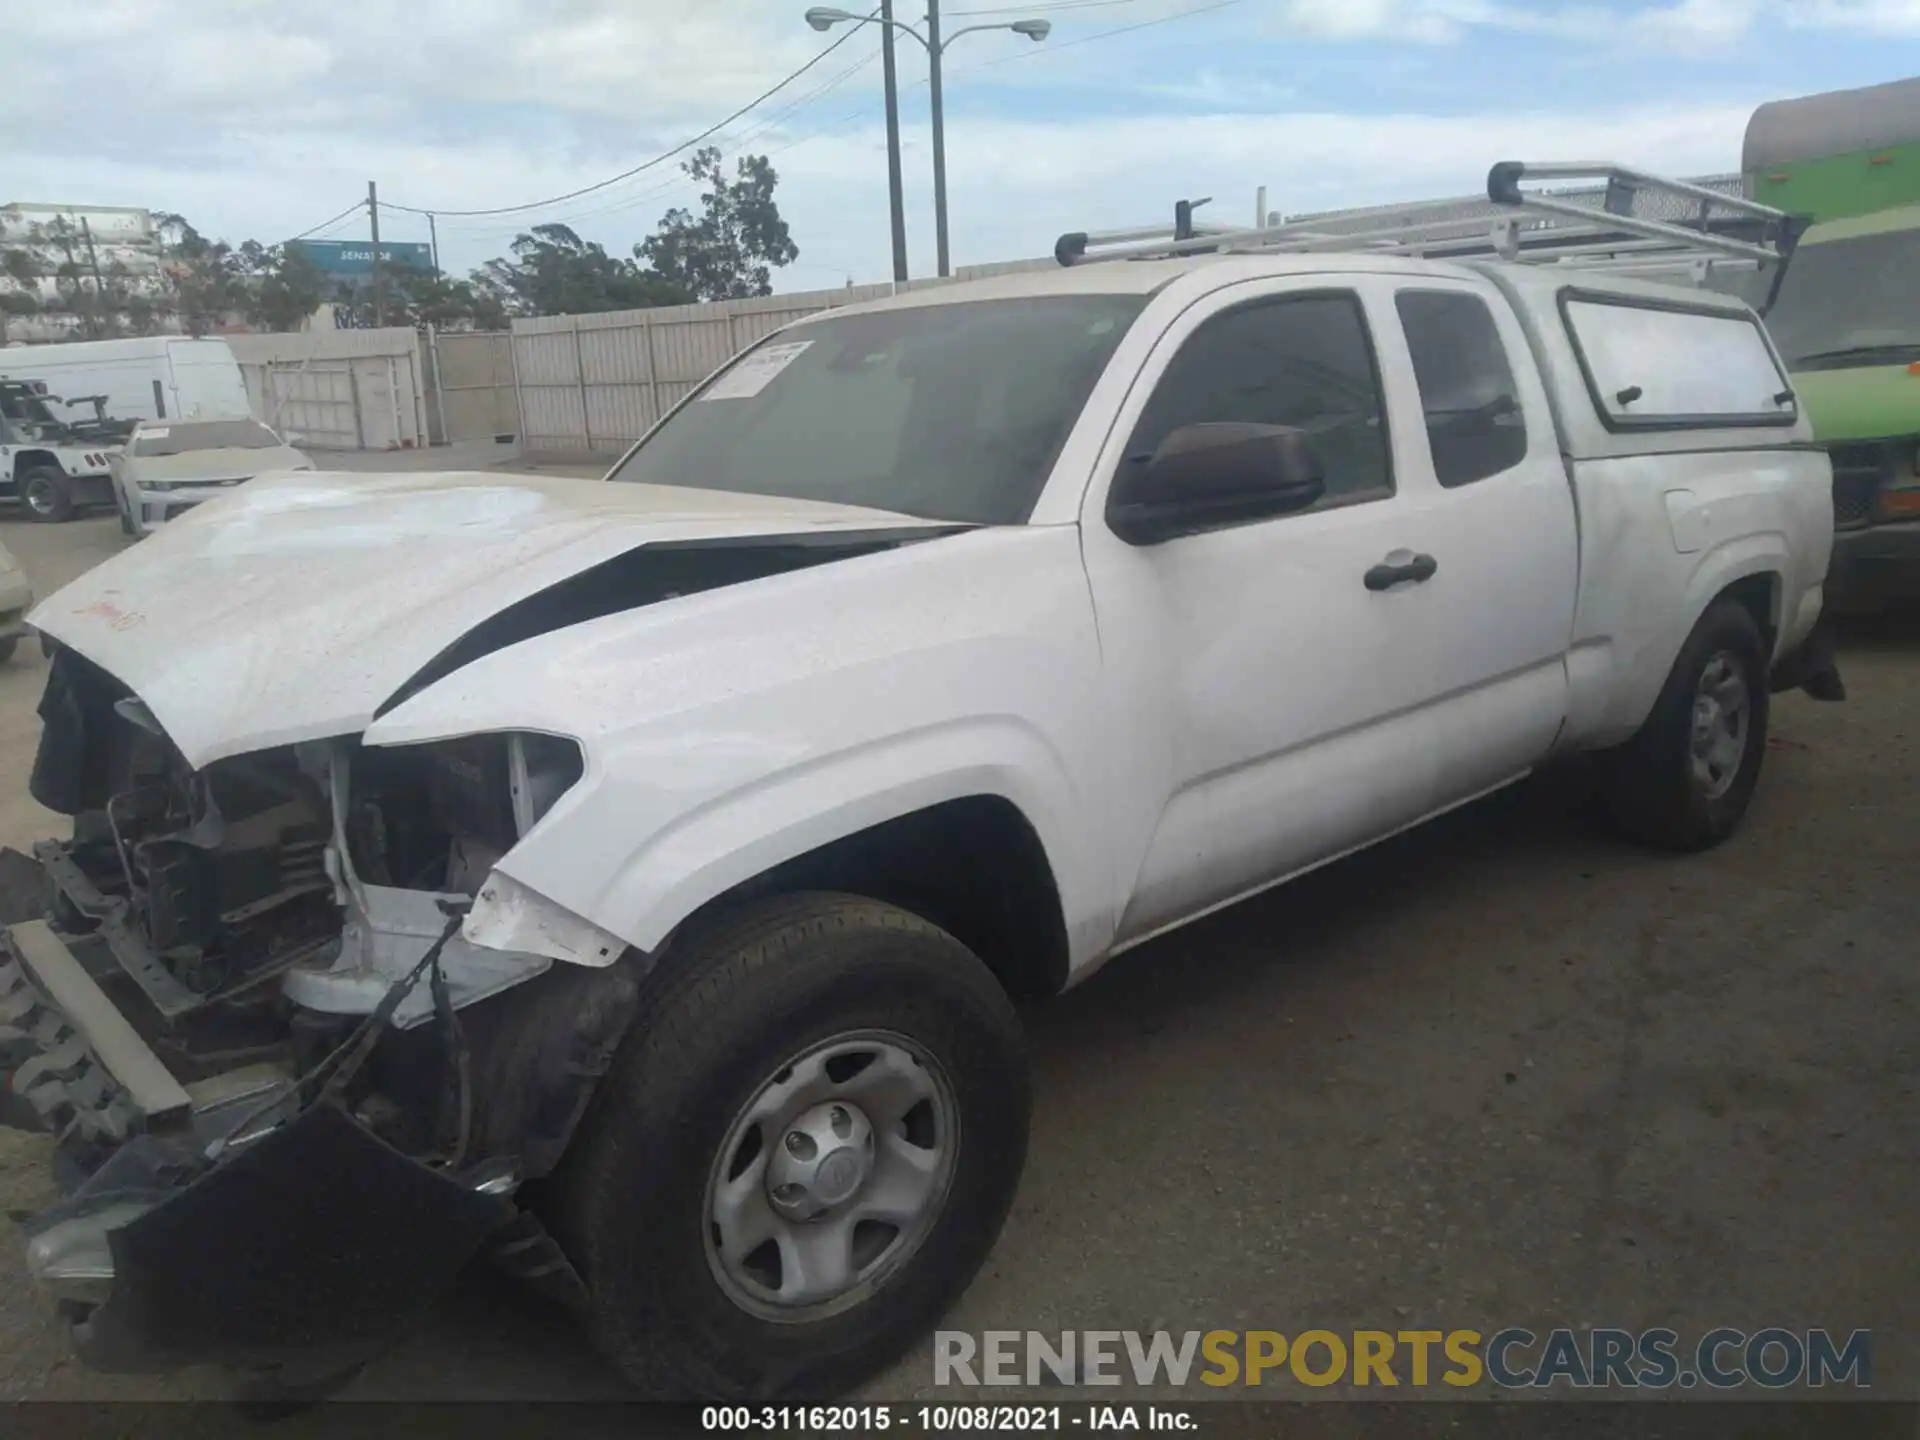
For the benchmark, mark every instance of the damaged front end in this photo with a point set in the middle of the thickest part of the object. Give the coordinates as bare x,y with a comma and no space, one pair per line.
290,1097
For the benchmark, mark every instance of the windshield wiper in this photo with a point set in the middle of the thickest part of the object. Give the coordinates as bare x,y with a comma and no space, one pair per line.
1905,352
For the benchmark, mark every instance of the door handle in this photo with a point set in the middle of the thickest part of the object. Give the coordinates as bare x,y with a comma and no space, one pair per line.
1400,568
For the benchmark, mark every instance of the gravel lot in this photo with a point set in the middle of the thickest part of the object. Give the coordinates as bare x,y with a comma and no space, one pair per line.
1503,1071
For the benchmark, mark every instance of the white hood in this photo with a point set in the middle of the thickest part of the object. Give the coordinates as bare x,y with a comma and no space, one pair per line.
291,608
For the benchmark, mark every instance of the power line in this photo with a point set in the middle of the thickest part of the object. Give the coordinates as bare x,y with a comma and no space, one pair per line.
832,126
329,224
1097,35
625,203
1042,9
660,159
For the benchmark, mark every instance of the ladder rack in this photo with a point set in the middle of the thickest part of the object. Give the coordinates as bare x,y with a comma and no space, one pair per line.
1632,222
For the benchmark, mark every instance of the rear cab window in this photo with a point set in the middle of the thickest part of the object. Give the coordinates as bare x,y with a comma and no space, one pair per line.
1475,426
1654,365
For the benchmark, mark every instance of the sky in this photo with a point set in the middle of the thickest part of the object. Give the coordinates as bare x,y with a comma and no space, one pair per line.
263,118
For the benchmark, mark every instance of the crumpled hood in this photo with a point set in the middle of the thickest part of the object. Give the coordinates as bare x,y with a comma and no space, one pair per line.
289,609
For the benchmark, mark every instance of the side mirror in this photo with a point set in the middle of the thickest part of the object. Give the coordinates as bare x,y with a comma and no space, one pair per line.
1206,477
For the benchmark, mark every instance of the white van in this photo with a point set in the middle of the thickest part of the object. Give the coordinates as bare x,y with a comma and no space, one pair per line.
156,377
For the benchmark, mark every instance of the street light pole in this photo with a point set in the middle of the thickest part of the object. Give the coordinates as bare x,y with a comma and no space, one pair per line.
825,17
896,206
939,138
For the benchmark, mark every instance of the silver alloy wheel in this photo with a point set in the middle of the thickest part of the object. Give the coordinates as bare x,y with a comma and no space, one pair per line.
40,495
1722,720
831,1176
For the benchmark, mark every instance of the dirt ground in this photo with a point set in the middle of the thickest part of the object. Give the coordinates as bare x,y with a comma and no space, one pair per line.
1500,1072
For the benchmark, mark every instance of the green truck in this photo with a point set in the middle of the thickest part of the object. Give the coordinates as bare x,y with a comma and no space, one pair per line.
1846,314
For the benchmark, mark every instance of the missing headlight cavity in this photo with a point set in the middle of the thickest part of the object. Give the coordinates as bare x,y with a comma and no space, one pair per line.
651,573
437,817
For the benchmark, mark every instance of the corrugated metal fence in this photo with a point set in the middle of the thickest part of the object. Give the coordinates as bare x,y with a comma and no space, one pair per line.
474,371
337,389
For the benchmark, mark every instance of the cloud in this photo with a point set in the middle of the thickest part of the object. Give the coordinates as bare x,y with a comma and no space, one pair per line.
1874,17
1421,21
1449,21
262,117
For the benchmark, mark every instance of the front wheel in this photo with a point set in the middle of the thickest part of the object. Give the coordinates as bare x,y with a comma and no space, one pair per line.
46,494
1684,781
803,1157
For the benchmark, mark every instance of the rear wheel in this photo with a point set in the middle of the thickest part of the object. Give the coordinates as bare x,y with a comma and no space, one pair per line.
1684,782
46,494
804,1157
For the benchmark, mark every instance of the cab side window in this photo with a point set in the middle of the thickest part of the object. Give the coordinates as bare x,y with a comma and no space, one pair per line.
1300,360
1475,427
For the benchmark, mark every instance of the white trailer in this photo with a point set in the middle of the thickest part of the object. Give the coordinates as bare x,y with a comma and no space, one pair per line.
155,377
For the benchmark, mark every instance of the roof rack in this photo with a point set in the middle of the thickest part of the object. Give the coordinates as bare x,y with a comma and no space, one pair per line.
1633,221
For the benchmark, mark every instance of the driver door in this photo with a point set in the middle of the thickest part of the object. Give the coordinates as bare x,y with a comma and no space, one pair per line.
1276,705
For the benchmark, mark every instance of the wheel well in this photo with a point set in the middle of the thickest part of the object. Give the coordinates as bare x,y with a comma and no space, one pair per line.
25,460
973,866
1760,596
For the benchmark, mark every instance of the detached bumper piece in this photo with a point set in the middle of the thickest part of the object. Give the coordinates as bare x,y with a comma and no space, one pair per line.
1814,667
206,1236
314,1236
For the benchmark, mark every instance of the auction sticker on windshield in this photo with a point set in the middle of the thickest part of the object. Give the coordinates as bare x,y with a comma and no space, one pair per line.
754,373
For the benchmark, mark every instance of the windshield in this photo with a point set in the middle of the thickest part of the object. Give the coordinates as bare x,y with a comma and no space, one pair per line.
950,412
186,436
1856,295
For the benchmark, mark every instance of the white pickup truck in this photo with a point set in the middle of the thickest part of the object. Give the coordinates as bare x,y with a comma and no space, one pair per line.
631,880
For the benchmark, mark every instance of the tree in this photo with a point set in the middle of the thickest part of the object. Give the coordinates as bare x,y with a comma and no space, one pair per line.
728,251
281,286
205,276
15,302
554,272
419,297
21,295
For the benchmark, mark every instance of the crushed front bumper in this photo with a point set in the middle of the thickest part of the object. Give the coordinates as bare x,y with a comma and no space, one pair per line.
216,1229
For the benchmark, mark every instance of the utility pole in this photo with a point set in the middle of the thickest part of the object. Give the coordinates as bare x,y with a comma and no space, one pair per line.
894,201
939,137
379,275
99,285
433,240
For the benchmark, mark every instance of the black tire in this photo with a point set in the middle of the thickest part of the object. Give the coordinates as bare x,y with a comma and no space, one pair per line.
728,1007
45,494
7,647
1651,791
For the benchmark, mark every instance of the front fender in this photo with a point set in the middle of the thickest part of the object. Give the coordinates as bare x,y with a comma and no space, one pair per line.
729,731
781,816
